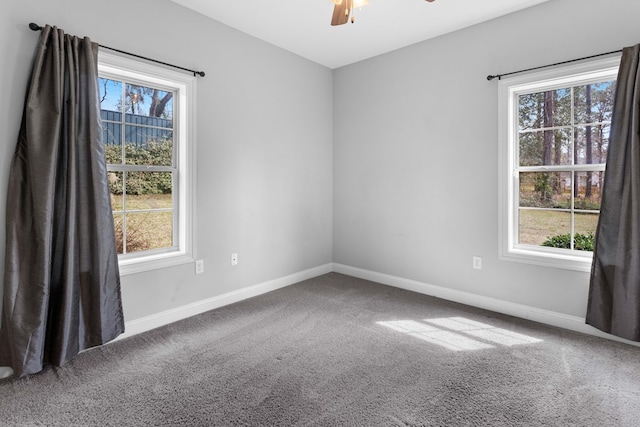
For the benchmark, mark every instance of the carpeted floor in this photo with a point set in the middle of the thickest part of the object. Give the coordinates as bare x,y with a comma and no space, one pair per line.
338,351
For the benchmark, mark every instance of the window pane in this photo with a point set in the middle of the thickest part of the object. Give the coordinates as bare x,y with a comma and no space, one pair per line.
545,109
530,111
147,183
531,146
561,102
535,226
110,113
149,230
110,98
149,106
545,147
545,190
148,146
594,102
115,189
592,144
587,191
586,223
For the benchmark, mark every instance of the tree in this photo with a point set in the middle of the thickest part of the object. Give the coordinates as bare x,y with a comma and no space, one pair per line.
134,98
589,147
551,143
547,124
603,98
137,96
159,104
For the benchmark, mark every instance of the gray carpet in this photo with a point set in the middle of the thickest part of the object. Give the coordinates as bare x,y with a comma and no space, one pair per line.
339,351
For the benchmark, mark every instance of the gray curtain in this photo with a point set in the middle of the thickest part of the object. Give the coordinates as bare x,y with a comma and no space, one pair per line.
61,285
614,294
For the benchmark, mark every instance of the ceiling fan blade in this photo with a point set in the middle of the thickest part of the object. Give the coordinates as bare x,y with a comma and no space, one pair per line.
341,12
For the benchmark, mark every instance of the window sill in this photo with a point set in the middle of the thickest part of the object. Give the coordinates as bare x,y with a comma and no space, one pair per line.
549,258
153,262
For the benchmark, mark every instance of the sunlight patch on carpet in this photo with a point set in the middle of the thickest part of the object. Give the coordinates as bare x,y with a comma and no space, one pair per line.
483,331
459,333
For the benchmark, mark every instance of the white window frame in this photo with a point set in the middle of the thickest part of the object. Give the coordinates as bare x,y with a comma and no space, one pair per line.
508,91
184,85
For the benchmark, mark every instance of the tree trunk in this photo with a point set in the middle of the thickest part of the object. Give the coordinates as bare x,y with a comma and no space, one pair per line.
549,147
158,105
548,123
589,142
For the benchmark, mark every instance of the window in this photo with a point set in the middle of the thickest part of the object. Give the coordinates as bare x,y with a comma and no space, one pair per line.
148,131
554,136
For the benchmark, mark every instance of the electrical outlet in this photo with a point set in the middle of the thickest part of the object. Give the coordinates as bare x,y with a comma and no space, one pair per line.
199,266
477,263
234,258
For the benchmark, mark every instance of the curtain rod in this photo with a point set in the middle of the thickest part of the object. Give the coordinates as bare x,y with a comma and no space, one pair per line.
36,27
500,76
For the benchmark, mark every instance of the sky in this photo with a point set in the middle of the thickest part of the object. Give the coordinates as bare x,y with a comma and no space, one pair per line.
111,96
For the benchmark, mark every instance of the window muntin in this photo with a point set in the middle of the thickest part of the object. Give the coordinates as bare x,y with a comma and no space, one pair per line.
553,156
148,132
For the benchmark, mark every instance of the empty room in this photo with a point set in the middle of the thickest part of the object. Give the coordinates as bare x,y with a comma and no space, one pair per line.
319,213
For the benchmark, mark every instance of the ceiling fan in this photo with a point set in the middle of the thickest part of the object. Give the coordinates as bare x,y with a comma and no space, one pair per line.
343,9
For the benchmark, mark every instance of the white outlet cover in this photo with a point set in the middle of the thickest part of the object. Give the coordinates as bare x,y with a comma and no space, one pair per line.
199,266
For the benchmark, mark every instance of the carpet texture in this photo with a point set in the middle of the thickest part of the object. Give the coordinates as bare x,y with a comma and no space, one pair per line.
338,351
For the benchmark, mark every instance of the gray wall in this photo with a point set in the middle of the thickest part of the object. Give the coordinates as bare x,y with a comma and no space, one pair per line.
416,153
264,154
411,137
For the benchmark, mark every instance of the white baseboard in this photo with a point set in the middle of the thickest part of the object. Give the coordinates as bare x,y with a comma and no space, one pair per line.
153,321
573,323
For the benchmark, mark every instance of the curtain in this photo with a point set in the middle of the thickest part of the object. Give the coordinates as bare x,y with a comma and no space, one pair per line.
62,284
614,293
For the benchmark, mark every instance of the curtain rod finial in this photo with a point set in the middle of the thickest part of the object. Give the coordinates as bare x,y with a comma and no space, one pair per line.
35,27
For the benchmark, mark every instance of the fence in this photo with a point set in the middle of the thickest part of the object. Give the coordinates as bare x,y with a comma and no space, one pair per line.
137,129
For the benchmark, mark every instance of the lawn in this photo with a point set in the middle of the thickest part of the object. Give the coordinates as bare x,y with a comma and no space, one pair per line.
146,228
536,226
150,230
144,201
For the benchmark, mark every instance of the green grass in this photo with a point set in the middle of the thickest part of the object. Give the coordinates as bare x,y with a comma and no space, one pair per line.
151,230
536,226
145,201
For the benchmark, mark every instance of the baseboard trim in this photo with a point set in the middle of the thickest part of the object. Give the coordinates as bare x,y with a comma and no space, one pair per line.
573,323
153,321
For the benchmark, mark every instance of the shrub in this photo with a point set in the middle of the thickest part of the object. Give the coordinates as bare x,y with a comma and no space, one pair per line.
544,187
154,152
136,240
581,242
587,204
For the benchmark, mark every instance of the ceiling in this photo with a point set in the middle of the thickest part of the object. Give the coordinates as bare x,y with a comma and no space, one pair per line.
303,26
